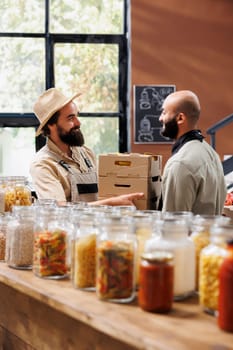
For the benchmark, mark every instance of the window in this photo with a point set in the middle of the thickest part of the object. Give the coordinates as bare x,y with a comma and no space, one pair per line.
72,45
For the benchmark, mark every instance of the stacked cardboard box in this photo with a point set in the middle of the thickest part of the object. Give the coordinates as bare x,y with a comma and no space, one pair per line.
121,173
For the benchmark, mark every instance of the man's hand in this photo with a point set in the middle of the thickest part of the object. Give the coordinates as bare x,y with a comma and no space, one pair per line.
124,199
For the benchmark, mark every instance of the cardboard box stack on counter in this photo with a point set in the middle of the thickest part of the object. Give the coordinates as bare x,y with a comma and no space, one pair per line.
121,173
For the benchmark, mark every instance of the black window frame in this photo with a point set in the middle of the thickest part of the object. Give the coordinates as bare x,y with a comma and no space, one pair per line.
51,39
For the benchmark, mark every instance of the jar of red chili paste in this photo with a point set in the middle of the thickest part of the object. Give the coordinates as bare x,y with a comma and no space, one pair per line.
225,302
116,252
156,280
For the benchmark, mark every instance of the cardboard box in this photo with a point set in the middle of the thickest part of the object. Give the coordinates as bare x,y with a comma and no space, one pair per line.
130,165
121,173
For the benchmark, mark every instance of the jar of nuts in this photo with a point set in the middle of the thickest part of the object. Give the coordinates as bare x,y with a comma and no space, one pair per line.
211,258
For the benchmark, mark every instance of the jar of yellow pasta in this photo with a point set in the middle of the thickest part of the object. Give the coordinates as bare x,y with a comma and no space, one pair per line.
17,192
211,258
84,251
200,235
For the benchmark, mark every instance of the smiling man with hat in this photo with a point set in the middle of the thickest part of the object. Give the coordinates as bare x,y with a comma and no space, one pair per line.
65,169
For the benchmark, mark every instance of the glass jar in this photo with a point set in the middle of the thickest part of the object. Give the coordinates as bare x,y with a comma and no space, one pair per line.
4,219
175,239
116,249
156,282
200,236
17,192
225,304
2,194
19,238
84,251
52,237
143,224
211,258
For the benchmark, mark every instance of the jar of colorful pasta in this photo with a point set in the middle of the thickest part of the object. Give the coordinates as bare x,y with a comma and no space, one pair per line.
116,248
52,237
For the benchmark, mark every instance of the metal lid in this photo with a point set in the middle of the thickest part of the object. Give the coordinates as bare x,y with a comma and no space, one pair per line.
158,256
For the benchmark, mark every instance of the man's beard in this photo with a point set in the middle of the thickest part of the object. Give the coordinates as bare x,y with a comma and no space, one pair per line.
74,137
170,129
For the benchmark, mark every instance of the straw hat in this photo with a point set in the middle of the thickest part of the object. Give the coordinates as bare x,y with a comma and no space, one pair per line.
51,101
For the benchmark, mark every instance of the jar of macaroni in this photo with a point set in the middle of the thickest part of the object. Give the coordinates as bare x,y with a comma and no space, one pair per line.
84,251
175,240
52,237
116,252
17,192
156,282
200,235
20,238
211,258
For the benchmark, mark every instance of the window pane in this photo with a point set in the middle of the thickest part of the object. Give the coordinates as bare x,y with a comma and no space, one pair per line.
101,134
17,147
92,68
26,16
87,16
22,73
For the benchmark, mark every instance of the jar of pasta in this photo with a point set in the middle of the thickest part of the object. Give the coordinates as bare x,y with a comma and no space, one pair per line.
211,258
175,240
201,236
19,238
52,236
2,194
116,247
84,251
17,192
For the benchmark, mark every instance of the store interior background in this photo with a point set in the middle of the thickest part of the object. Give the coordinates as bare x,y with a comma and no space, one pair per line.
187,44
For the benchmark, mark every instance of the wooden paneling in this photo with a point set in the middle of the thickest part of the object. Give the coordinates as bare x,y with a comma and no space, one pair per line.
189,44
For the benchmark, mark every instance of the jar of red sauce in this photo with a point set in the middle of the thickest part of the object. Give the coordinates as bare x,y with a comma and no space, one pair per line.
156,281
225,302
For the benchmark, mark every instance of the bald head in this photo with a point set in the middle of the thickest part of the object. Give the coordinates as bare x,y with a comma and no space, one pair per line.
186,102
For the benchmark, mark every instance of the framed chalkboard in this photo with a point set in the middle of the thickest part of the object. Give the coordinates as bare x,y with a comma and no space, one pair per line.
148,101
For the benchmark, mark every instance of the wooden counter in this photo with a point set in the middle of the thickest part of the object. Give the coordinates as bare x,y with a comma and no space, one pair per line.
46,314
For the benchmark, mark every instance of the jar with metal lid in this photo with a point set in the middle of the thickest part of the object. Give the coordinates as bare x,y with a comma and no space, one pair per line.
19,238
116,248
17,192
211,258
201,236
156,281
52,237
225,301
175,239
84,251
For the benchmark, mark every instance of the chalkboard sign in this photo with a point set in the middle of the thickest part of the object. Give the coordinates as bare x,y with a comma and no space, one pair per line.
148,101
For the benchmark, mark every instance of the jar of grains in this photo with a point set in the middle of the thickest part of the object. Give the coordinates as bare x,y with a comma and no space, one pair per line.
52,237
19,238
84,251
116,248
211,258
175,239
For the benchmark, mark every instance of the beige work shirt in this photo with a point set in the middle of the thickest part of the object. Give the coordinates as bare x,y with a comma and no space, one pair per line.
50,179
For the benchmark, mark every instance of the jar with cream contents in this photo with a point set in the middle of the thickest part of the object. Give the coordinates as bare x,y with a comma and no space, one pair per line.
175,240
